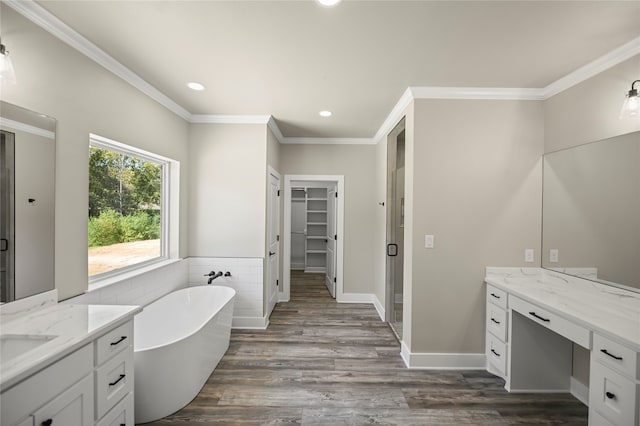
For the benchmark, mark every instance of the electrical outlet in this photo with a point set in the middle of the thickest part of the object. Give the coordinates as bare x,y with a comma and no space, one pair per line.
428,241
553,255
528,255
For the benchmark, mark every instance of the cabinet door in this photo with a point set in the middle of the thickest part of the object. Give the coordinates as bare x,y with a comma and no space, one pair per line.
72,407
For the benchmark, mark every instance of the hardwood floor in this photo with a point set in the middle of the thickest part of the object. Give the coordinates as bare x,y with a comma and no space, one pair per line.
323,363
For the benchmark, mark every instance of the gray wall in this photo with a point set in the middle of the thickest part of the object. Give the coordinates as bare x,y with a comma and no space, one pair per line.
357,164
56,80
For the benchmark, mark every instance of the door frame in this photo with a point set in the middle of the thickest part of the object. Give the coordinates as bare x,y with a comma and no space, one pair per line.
285,294
267,298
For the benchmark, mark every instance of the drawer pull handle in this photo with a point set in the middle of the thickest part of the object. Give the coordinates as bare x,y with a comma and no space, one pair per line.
610,395
494,320
47,422
118,341
604,351
495,295
495,353
539,317
117,381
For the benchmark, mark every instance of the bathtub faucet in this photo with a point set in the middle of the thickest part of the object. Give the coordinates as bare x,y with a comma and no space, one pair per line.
212,276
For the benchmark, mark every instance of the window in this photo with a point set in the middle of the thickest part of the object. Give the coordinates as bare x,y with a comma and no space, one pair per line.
128,208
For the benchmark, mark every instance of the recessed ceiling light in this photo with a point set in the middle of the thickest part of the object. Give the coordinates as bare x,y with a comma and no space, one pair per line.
325,113
195,86
328,2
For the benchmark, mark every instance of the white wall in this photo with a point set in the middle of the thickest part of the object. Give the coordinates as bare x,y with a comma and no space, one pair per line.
227,182
56,80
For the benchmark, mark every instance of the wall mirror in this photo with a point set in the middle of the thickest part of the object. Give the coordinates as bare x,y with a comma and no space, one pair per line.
591,211
27,214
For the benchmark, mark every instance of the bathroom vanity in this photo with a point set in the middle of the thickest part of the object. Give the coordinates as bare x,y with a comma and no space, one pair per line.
534,316
67,365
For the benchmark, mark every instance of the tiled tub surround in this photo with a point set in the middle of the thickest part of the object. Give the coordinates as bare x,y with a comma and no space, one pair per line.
534,315
76,345
246,279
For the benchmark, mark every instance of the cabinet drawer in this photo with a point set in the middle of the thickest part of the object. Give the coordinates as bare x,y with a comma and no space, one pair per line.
497,354
568,329
27,396
113,342
596,419
497,296
616,356
113,381
613,395
497,321
121,414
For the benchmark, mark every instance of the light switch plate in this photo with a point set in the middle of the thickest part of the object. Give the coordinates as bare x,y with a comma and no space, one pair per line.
553,255
428,241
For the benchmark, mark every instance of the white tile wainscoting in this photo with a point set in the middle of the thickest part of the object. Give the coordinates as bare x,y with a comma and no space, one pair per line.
143,288
246,279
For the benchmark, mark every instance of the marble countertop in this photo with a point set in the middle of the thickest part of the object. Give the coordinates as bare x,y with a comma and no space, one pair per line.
608,310
73,327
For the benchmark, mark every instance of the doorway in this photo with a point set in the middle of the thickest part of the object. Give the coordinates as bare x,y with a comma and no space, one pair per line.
395,227
313,230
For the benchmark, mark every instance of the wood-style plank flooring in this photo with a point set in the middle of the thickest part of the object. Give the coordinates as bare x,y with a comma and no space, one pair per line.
324,363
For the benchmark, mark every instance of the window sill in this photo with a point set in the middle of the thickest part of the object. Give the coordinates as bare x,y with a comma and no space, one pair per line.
115,279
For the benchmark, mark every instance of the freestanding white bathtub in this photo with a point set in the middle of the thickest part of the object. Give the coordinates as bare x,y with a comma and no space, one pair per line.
178,341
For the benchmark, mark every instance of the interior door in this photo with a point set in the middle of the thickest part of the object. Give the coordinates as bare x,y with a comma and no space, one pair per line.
273,237
331,240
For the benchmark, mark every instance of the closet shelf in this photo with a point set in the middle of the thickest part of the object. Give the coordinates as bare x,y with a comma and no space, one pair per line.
317,223
317,251
316,237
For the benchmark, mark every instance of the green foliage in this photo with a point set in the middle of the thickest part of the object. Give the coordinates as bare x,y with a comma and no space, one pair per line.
124,198
105,229
112,228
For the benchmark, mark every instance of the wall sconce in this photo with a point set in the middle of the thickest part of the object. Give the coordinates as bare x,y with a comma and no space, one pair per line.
6,67
631,105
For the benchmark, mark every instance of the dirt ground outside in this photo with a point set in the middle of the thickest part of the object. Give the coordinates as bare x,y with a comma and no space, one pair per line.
108,258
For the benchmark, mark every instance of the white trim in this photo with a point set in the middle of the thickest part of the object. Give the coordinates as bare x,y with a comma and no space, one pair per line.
43,18
329,141
356,298
27,128
286,241
379,307
603,63
442,361
481,93
229,119
395,115
579,390
252,323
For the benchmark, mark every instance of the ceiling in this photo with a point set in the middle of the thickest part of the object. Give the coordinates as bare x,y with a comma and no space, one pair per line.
291,59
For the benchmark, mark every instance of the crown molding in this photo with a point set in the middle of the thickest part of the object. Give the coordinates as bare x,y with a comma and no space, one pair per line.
43,18
27,128
328,141
228,119
603,63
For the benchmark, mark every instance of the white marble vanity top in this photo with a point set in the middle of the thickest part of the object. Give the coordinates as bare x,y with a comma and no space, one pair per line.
72,325
608,310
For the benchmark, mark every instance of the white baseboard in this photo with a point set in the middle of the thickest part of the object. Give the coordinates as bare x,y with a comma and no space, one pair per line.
441,361
379,308
579,390
355,298
260,323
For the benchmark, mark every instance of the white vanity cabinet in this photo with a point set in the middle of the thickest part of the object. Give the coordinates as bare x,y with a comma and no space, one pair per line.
614,383
496,331
533,319
93,385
